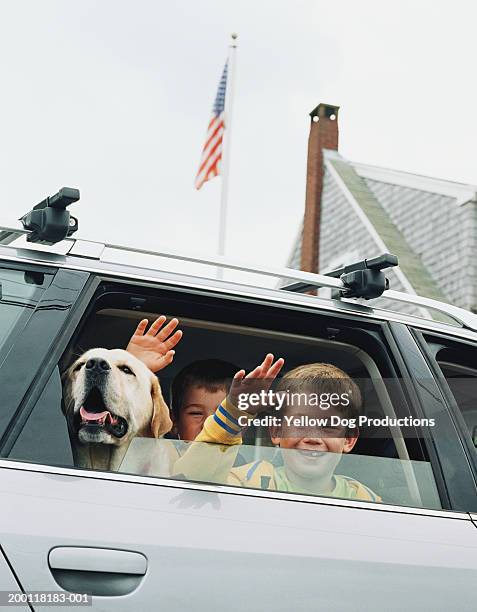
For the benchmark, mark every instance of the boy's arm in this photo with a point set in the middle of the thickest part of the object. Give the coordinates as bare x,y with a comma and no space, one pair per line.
212,454
223,426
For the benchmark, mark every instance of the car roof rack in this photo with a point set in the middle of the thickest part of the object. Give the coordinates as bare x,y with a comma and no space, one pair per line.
305,281
362,279
48,222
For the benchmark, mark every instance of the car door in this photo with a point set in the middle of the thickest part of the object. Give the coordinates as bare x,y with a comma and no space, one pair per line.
139,542
12,591
205,548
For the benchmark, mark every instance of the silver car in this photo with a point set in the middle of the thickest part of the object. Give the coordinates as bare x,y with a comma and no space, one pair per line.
147,538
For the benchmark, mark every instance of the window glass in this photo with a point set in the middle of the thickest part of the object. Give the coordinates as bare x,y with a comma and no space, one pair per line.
104,409
458,363
44,437
20,291
361,477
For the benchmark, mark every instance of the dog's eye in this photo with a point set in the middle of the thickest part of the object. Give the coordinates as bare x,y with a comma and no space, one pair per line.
126,370
78,366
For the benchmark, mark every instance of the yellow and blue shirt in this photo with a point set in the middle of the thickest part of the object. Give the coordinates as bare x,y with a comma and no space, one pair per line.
212,455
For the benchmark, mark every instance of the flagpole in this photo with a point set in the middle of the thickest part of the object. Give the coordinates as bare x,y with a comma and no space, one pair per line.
224,170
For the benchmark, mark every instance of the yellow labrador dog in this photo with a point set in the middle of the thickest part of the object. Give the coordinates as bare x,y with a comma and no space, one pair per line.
110,397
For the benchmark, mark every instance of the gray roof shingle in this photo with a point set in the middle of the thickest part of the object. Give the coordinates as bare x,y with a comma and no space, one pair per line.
430,224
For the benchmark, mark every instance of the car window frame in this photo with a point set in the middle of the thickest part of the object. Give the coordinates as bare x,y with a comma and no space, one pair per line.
83,307
57,309
422,338
459,478
17,267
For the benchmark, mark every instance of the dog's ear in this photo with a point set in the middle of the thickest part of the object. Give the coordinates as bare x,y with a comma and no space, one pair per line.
161,421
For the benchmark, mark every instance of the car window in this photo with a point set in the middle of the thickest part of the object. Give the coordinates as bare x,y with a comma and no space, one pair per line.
458,363
44,437
124,424
361,477
20,291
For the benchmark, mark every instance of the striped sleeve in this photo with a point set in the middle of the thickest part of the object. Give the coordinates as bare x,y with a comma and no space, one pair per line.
223,426
212,454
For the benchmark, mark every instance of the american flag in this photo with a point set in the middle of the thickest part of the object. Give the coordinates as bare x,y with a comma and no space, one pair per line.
212,151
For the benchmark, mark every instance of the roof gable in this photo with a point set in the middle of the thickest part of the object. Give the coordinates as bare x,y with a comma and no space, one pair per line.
412,272
461,192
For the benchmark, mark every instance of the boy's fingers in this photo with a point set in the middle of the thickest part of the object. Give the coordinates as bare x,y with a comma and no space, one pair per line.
165,360
167,330
254,373
266,365
236,381
174,339
141,327
168,357
276,367
156,326
267,362
269,358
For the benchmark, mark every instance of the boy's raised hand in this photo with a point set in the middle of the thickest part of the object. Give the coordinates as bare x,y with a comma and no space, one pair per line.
259,379
154,348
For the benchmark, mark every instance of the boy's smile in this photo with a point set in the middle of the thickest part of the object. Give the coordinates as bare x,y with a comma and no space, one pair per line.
311,462
311,454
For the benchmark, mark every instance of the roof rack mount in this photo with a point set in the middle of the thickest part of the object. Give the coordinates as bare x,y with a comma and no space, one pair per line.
361,279
49,222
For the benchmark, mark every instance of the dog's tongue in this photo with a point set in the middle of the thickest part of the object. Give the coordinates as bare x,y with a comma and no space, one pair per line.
93,416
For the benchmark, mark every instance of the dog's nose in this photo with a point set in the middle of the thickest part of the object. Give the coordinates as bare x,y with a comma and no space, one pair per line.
96,364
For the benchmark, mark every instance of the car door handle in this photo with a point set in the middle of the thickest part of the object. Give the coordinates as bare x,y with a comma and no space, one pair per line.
99,571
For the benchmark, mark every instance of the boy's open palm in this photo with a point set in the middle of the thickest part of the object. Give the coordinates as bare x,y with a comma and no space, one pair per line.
155,347
259,379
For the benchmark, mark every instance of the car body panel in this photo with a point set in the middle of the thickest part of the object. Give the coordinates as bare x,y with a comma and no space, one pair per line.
213,550
8,584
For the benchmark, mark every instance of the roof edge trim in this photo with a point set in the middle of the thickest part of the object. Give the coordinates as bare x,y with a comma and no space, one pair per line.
460,191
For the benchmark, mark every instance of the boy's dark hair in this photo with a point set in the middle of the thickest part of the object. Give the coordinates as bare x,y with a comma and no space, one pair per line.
209,374
324,378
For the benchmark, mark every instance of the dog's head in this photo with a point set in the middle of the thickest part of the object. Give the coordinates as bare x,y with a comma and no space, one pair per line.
109,396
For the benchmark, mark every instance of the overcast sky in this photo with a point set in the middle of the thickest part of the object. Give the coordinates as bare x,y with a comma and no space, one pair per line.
114,97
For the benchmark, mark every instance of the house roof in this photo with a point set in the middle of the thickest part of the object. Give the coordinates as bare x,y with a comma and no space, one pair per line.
373,193
461,192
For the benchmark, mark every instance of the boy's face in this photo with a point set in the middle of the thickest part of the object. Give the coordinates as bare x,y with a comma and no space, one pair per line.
312,452
199,403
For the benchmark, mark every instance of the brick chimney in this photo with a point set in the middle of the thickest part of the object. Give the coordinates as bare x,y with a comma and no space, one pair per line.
323,135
